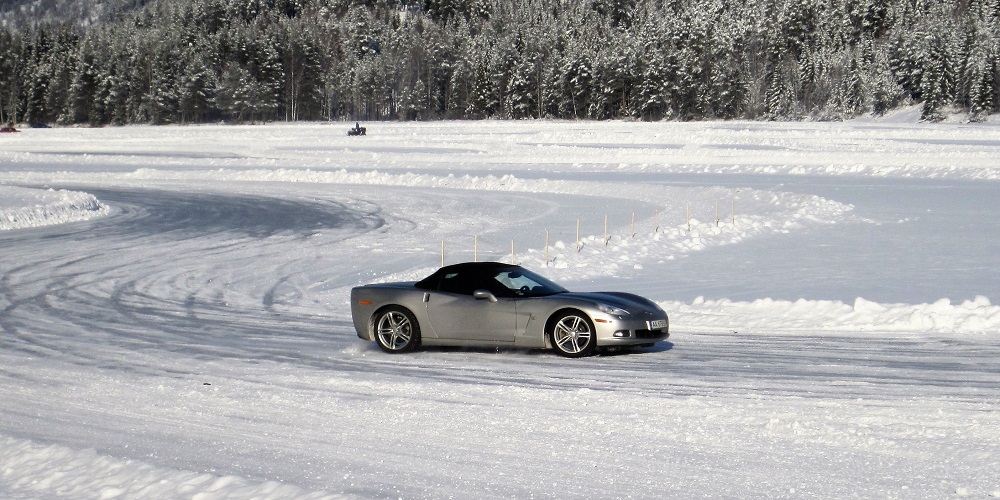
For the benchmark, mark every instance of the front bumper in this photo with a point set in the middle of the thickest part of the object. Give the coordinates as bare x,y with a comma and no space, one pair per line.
612,331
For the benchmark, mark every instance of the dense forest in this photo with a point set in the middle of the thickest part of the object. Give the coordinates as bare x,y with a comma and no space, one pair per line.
191,61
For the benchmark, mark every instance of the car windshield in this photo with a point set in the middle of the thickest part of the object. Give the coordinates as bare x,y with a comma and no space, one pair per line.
523,283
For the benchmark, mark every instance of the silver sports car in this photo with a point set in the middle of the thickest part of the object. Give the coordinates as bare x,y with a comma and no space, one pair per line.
494,304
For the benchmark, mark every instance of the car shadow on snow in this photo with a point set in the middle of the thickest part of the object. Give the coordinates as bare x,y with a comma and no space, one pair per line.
662,346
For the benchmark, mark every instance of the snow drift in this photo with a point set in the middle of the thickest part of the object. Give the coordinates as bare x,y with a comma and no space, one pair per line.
25,207
28,468
767,315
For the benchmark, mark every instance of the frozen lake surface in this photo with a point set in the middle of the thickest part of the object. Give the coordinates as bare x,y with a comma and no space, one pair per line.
174,317
926,239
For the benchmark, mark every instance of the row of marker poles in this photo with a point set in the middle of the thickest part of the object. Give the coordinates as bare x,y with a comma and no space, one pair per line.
475,249
607,235
718,220
717,223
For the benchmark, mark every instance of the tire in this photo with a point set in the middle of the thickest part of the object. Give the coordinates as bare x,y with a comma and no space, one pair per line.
396,330
573,335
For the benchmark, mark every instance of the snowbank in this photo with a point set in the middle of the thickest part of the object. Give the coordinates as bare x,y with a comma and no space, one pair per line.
971,316
25,207
894,146
27,468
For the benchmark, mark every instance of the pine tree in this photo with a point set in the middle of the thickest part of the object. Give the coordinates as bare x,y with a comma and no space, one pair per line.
576,76
302,69
49,61
886,92
522,90
80,101
11,62
611,85
852,95
984,75
196,88
39,77
979,77
727,88
937,78
650,102
780,102
484,96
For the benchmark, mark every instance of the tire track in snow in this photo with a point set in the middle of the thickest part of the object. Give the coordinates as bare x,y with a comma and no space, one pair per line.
188,244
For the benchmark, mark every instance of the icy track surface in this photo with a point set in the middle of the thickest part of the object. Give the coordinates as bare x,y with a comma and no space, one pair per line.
174,319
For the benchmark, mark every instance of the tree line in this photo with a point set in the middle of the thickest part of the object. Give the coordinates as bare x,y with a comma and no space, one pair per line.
194,61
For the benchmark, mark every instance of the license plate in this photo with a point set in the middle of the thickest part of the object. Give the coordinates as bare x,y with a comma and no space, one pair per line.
657,324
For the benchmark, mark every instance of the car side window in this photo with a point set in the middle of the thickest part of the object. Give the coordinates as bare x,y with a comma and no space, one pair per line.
460,283
514,284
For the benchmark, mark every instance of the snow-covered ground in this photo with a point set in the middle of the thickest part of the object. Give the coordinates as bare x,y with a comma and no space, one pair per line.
174,319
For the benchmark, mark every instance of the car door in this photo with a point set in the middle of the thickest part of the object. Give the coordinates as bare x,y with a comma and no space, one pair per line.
463,317
454,313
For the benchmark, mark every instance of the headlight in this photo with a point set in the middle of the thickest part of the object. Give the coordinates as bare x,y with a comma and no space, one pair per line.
615,311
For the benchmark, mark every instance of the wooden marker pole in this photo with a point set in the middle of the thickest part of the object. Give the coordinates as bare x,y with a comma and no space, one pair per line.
578,235
546,248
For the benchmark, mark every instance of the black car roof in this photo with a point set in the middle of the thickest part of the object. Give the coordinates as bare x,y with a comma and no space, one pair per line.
478,266
431,281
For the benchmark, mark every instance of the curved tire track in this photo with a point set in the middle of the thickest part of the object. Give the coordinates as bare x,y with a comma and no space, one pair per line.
170,270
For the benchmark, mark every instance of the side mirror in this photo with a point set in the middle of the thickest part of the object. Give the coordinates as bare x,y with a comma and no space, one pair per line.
484,295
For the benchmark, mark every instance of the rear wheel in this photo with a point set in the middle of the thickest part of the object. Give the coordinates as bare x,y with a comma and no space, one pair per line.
396,330
573,335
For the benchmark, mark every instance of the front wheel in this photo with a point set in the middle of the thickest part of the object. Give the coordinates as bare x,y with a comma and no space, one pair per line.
396,330
573,335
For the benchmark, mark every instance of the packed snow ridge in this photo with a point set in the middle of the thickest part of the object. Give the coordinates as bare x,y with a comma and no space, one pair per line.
25,207
774,316
26,468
